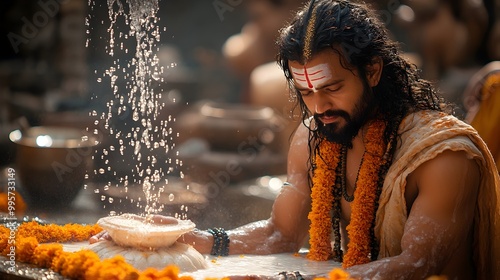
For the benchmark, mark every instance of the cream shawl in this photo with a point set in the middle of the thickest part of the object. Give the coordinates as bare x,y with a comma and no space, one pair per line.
425,135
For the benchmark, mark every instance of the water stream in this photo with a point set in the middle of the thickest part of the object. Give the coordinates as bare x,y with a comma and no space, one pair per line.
133,113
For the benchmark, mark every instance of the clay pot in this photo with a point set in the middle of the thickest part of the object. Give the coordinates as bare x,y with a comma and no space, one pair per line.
51,163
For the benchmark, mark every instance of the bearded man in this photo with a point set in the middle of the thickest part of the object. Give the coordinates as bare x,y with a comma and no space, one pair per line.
405,189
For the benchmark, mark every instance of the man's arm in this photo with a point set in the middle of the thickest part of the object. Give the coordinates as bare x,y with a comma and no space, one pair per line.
286,229
439,222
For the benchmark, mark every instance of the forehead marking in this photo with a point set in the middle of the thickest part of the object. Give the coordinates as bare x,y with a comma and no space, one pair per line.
309,84
316,75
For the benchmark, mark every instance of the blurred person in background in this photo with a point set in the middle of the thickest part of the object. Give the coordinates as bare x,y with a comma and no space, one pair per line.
256,43
482,102
251,55
452,40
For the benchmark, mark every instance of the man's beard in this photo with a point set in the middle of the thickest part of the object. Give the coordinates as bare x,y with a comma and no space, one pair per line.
344,134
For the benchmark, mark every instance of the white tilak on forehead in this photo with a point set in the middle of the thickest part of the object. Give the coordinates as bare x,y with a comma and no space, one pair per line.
311,77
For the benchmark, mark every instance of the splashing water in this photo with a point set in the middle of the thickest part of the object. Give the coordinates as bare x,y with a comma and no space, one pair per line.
135,105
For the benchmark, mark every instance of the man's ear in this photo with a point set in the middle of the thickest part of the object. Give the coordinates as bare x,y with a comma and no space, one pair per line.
374,71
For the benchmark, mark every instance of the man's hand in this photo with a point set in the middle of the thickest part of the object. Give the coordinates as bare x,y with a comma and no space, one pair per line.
101,236
161,220
200,240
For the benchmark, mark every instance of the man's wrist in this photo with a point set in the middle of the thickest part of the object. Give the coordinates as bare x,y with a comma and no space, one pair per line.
221,242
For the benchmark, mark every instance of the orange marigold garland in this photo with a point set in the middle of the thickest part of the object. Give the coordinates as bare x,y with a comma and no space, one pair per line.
113,268
25,247
4,240
363,206
83,264
45,253
58,233
365,195
322,199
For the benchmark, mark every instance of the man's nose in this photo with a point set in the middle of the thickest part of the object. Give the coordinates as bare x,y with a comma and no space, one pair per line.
321,103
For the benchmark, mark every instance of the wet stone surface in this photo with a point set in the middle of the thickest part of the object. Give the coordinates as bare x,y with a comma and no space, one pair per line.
16,270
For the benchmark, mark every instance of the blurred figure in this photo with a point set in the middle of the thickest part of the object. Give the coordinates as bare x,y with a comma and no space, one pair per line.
255,44
447,33
251,55
482,101
493,33
453,40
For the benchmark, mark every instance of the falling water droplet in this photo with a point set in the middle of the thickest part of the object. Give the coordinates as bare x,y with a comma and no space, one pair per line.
138,102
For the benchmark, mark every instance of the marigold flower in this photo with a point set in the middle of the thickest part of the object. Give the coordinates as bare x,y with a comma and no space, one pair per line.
45,253
362,208
83,264
338,274
25,248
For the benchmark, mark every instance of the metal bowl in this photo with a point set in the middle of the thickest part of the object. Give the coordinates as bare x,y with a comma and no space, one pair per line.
51,163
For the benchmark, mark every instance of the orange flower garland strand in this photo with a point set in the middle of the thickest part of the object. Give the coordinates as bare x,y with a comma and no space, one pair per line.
363,206
322,199
83,264
57,233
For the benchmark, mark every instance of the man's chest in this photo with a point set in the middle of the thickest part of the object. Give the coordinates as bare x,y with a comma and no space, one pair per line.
411,193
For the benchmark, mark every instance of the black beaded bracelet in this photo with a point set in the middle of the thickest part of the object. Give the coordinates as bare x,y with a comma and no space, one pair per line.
291,275
221,242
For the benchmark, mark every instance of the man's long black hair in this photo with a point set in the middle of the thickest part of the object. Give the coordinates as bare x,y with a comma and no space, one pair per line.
356,33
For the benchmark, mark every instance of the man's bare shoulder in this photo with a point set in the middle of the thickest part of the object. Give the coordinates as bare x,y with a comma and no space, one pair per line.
450,166
448,180
298,160
299,147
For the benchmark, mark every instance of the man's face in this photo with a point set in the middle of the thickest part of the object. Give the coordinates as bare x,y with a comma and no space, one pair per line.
337,97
